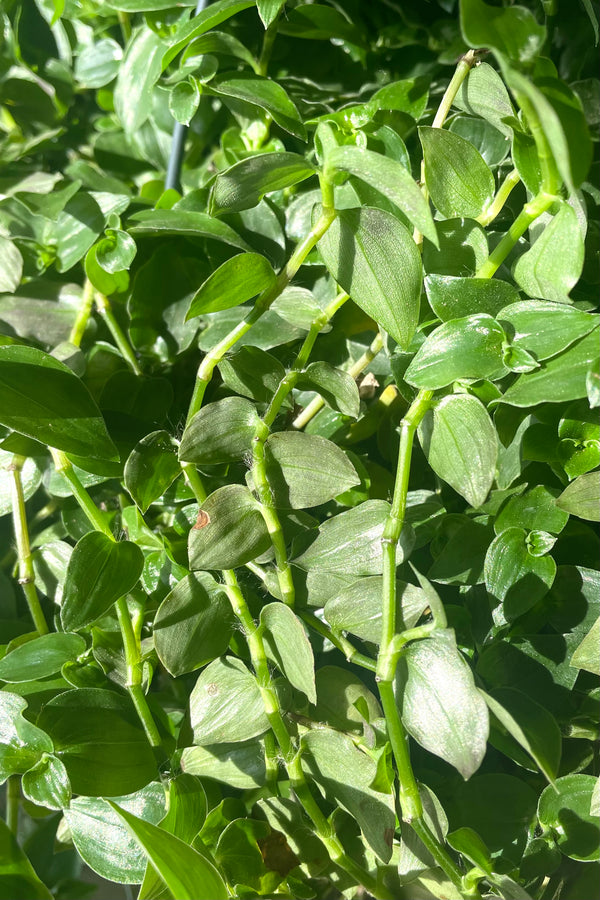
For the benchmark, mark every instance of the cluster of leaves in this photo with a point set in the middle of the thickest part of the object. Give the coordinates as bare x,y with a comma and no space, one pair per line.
299,448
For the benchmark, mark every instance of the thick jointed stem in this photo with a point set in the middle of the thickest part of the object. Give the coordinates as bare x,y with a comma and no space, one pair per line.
25,560
214,356
410,801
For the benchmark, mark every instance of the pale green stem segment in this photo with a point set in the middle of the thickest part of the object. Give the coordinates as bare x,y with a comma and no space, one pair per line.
267,47
83,315
259,468
13,797
131,643
25,560
104,308
355,370
464,66
502,195
287,749
530,212
214,356
391,646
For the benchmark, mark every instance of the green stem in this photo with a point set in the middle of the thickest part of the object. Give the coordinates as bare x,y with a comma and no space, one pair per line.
530,212
125,23
83,315
343,644
551,179
502,195
410,800
355,370
104,308
131,646
13,797
267,47
214,356
259,469
26,570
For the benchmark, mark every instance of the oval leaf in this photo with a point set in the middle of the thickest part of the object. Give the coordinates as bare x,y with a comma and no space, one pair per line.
373,257
100,571
230,530
237,280
461,446
44,399
305,470
582,497
439,703
40,657
289,648
458,178
220,432
551,268
226,704
244,184
514,575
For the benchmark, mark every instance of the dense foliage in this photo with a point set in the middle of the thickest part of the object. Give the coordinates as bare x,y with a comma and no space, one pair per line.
299,448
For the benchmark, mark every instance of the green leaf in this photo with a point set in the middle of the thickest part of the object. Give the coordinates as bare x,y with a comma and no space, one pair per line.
226,704
565,807
317,22
544,328
116,251
101,838
184,100
11,265
193,624
236,281
305,470
42,398
76,229
268,10
462,557
409,95
346,773
534,510
218,42
558,379
514,575
151,468
43,656
22,744
470,347
343,701
187,874
568,108
350,543
457,177
230,530
433,677
582,497
452,297
252,372
208,18
357,608
264,93
185,223
19,878
289,648
244,184
484,94
586,655
532,726
47,783
512,31
553,265
468,842
98,63
414,857
391,179
373,257
97,735
220,432
138,73
463,248
460,443
240,765
100,571
337,388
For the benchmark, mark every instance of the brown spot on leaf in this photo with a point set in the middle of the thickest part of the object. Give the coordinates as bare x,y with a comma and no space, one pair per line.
203,520
212,689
